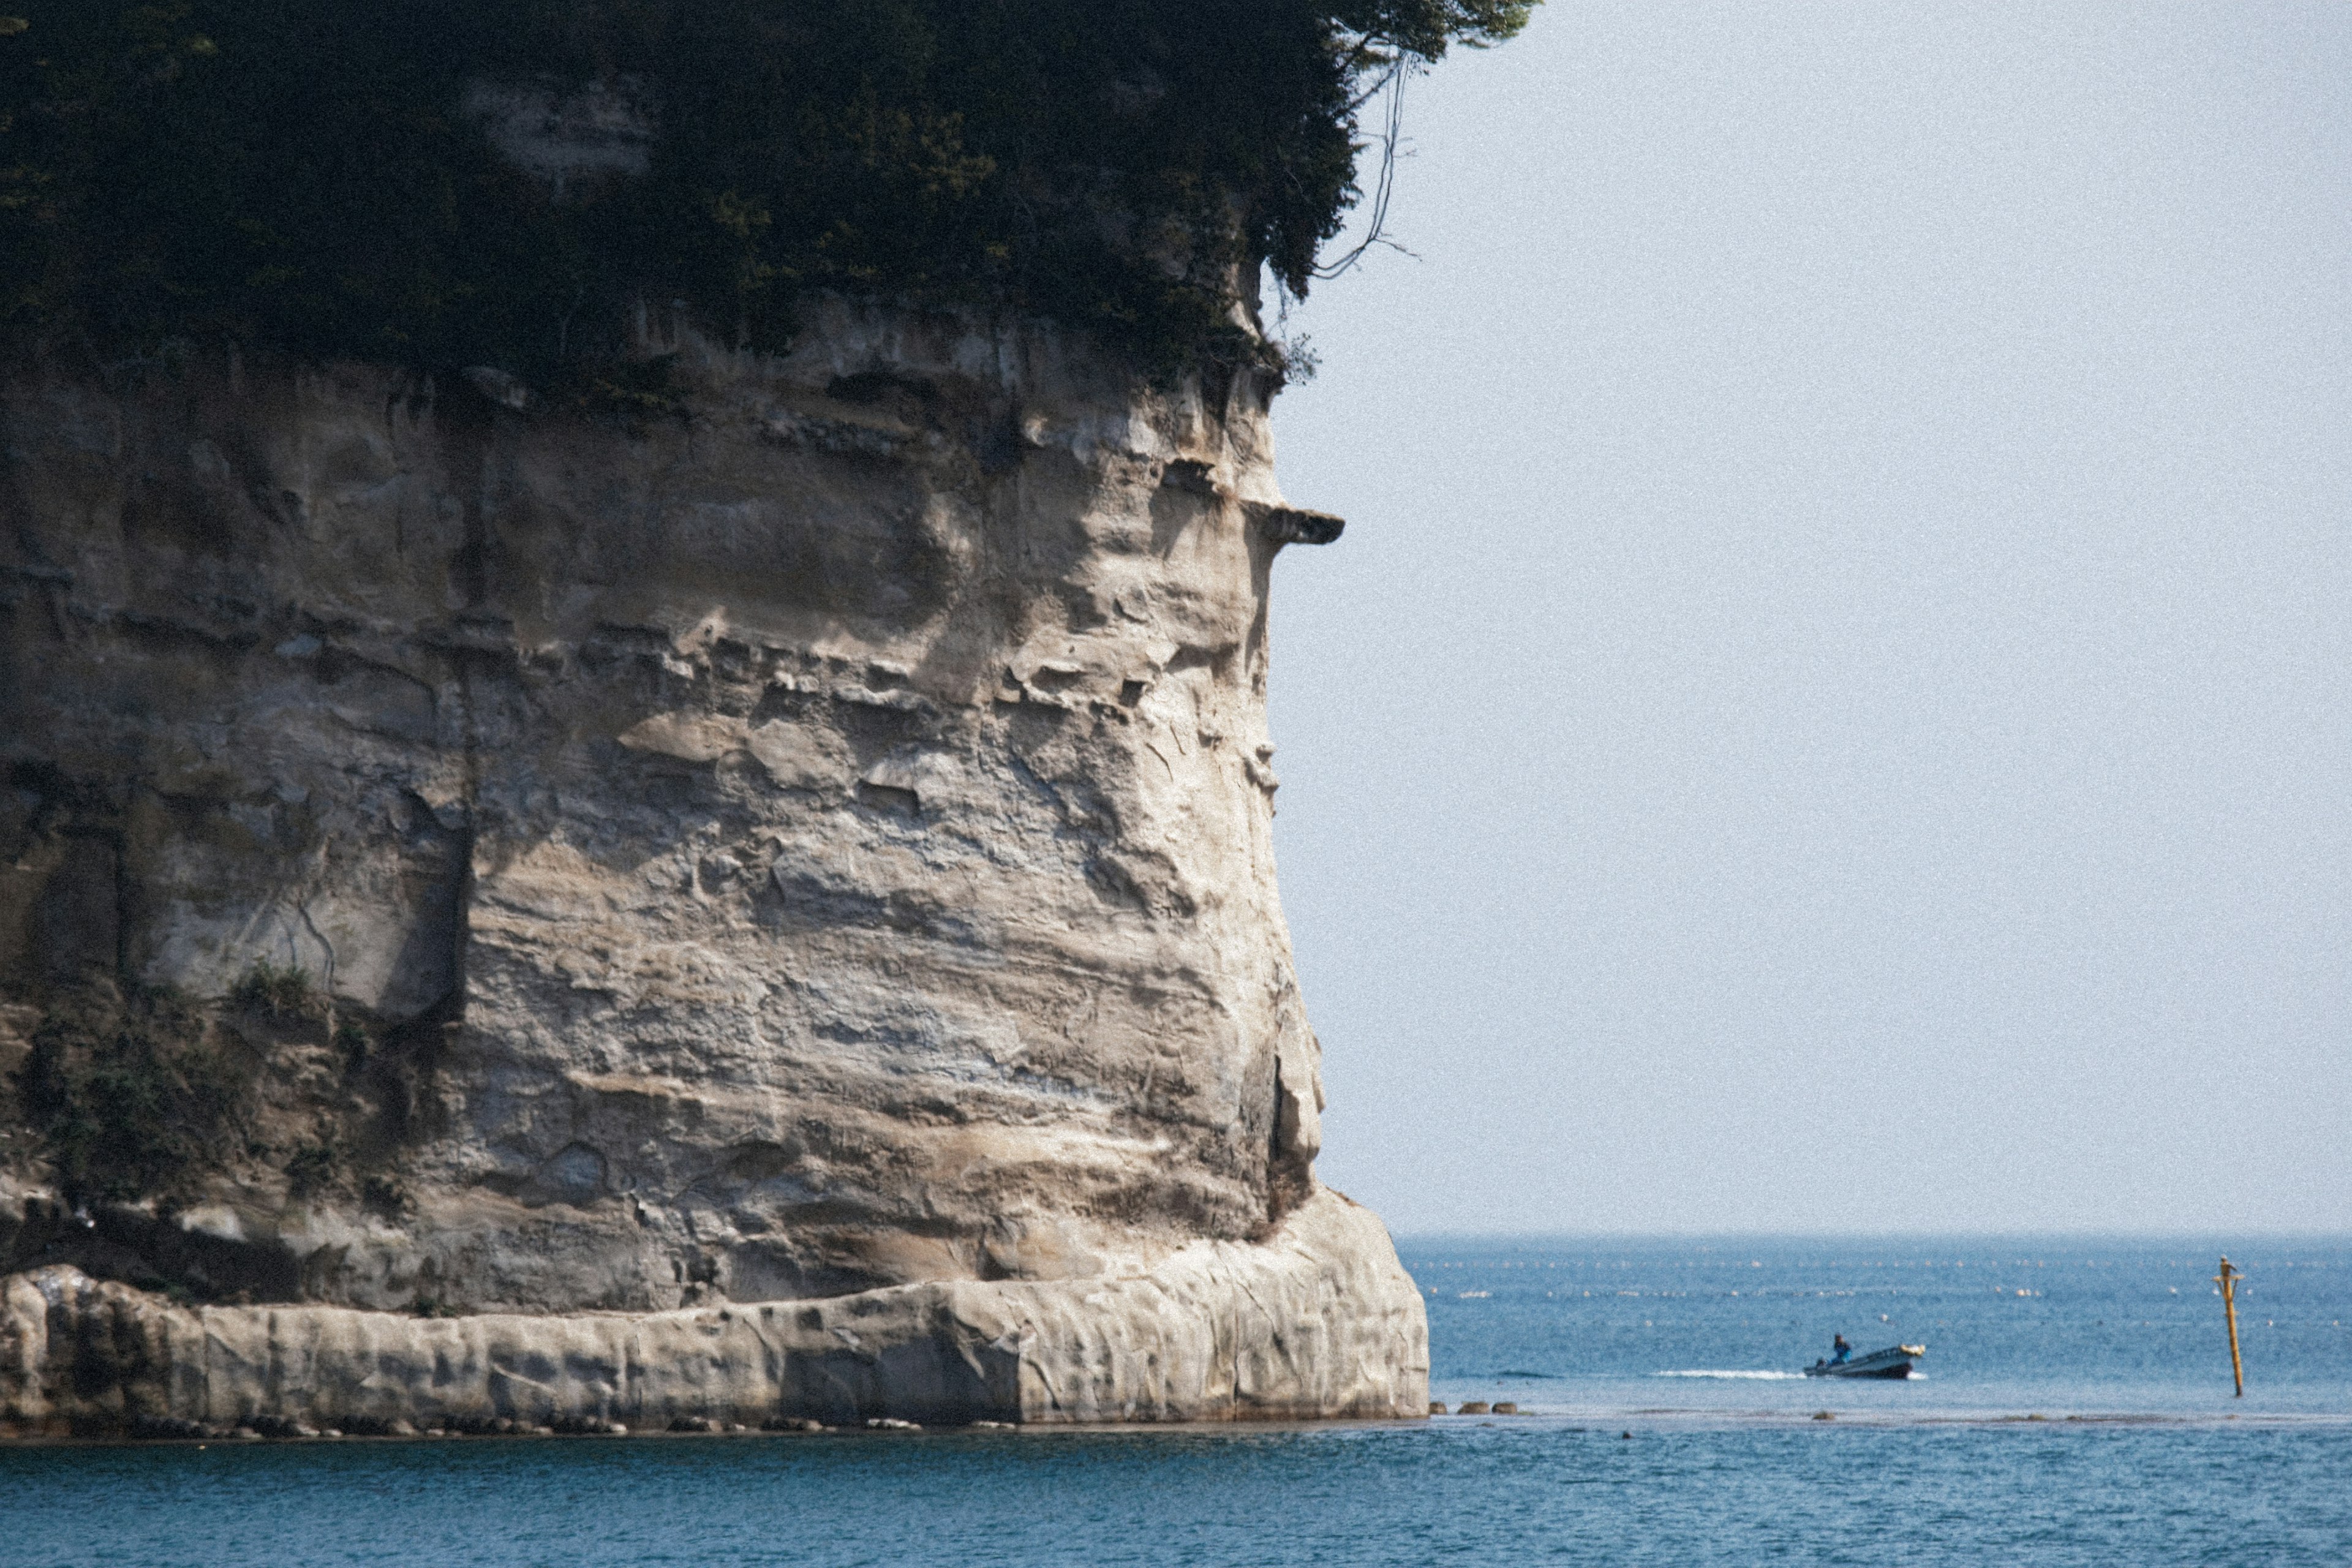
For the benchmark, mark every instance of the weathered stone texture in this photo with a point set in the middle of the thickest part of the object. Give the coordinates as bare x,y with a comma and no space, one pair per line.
1317,1322
801,833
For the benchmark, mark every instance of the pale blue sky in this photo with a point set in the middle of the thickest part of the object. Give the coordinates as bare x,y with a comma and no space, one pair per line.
1834,706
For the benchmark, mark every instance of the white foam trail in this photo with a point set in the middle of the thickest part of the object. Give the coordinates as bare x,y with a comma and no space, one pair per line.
1749,1376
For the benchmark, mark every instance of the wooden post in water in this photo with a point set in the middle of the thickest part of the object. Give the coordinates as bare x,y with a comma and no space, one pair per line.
2228,1279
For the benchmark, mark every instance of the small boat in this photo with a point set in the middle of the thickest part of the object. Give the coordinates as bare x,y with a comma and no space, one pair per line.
1894,1361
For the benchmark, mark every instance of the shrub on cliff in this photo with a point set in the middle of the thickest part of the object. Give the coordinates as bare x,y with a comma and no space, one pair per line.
319,174
274,991
129,1096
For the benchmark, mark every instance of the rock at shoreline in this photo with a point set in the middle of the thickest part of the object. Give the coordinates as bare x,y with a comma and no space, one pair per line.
1282,1330
761,905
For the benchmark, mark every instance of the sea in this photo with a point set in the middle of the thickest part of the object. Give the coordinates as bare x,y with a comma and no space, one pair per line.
2076,1405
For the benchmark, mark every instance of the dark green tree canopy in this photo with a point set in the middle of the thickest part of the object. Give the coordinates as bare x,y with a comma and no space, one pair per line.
319,174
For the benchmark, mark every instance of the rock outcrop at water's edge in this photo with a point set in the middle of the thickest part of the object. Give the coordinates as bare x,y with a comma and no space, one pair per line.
753,897
1313,1323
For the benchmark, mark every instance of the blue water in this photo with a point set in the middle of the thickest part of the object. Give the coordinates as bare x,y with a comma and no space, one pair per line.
2017,1327
2141,1455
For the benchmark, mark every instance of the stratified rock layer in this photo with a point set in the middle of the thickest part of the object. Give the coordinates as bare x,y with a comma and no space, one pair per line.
1314,1323
796,832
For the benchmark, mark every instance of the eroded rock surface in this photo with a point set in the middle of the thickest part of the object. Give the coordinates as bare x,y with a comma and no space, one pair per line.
796,833
1315,1322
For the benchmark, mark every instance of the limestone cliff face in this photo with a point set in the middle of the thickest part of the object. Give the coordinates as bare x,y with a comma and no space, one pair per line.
799,833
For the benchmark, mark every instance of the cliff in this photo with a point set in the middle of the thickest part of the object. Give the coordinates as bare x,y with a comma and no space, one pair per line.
749,899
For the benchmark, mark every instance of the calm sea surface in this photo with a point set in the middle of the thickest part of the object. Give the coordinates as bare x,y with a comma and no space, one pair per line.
2076,1409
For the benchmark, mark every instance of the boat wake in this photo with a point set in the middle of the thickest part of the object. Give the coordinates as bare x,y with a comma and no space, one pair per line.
1742,1376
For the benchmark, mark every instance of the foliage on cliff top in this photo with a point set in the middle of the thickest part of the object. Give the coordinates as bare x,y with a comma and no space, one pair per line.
308,174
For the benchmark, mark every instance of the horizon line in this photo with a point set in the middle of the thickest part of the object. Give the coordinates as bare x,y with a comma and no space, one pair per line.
2175,1238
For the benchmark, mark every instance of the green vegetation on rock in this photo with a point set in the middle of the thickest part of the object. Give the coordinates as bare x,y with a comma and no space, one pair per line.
269,989
130,1093
321,175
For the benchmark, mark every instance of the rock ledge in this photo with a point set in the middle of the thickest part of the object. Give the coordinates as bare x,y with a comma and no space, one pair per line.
1317,1322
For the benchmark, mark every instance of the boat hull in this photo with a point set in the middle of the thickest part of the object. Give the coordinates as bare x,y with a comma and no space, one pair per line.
1900,1369
1892,1362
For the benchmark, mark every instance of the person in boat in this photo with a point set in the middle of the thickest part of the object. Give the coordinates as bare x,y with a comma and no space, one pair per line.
1838,1350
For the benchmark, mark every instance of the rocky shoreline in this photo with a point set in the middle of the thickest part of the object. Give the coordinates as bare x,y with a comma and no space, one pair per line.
759,907
1315,1323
